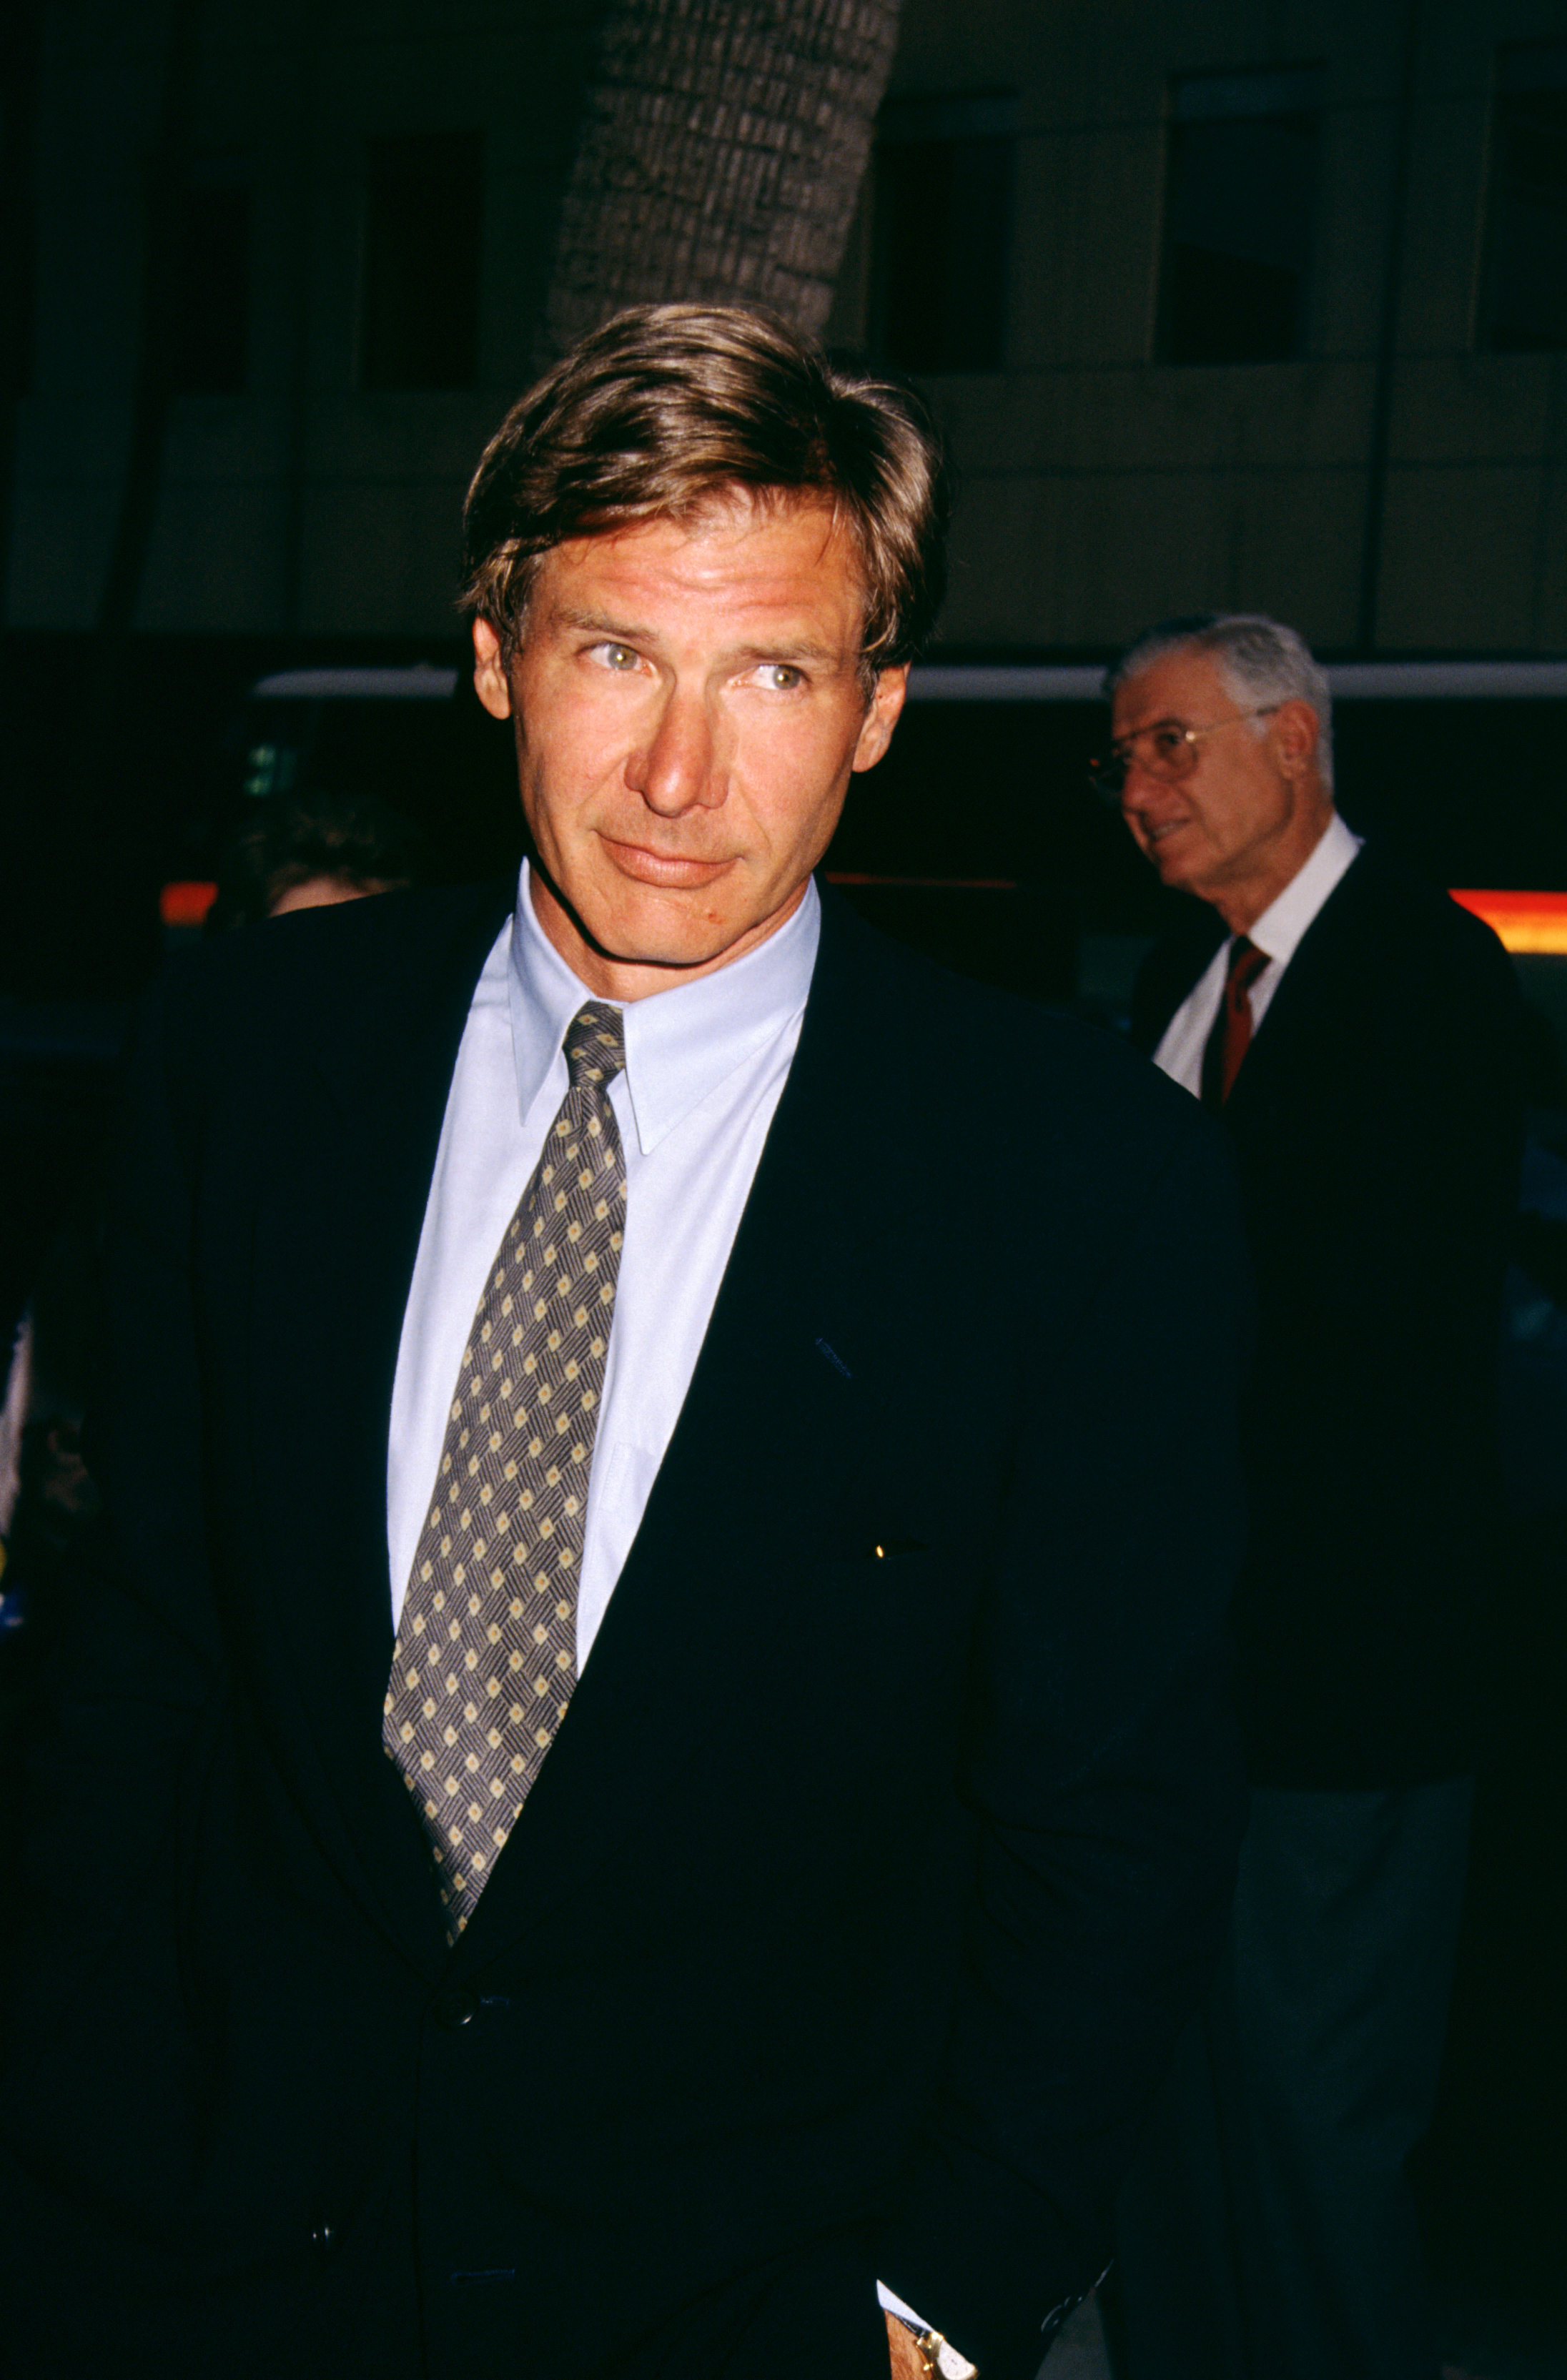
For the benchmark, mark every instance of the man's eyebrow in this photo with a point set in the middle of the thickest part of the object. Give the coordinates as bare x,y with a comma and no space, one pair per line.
794,650
1166,719
598,624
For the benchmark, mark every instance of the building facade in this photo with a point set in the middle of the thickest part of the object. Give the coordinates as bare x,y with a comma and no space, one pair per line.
1222,303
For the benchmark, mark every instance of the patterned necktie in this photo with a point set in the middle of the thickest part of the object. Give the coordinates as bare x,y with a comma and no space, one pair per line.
1230,1037
486,1652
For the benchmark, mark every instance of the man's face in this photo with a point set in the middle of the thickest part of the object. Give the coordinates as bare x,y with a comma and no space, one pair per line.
1253,808
689,711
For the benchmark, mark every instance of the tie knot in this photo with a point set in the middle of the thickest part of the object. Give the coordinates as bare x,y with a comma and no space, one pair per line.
595,1044
1247,963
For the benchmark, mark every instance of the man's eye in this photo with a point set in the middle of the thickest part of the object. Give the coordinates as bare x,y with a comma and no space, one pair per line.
619,656
781,677
1167,740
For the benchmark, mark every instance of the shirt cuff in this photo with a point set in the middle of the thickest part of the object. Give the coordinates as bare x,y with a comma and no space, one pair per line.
889,2304
951,2362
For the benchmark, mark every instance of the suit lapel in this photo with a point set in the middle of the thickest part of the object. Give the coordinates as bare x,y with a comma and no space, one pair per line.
1299,1025
1313,984
769,1418
337,1233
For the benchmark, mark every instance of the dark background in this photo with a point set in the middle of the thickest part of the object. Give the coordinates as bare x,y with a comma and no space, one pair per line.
1274,318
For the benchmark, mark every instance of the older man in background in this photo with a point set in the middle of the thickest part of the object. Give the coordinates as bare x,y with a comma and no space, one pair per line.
1357,1032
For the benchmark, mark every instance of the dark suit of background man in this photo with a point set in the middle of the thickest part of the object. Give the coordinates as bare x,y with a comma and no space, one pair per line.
1356,1030
407,2011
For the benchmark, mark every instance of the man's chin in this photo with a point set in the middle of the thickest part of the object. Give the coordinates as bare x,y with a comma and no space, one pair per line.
641,927
1172,871
672,954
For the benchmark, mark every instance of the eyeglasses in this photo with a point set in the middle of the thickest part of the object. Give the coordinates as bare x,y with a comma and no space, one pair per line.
1167,751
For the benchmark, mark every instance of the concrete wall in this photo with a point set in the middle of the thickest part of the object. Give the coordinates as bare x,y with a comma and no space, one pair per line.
1104,489
1101,489
307,504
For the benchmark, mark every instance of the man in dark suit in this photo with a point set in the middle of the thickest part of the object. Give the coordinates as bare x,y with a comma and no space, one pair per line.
640,1781
1355,1029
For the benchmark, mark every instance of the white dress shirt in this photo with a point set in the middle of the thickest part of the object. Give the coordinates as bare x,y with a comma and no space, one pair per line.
705,1066
1278,932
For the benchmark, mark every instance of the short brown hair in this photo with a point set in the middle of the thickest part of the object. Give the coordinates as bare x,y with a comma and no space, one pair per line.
665,407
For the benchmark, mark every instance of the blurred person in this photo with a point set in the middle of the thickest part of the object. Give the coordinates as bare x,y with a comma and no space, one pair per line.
310,852
1357,1032
13,1421
47,1497
301,852
643,1781
56,1496
17,1389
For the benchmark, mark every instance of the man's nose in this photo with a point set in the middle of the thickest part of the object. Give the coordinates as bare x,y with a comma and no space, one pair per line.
1136,784
678,767
1139,785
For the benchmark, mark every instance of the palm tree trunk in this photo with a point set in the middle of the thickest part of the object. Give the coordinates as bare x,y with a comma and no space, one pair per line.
723,146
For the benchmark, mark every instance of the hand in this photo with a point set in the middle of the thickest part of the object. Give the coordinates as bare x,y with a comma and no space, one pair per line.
907,2362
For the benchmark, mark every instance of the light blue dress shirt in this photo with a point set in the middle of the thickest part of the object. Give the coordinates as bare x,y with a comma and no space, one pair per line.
705,1066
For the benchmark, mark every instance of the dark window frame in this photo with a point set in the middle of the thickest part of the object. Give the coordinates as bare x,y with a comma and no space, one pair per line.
212,267
936,305
1291,100
1523,72
421,276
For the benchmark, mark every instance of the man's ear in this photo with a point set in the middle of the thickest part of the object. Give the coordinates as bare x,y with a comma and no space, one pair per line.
886,703
491,681
1295,736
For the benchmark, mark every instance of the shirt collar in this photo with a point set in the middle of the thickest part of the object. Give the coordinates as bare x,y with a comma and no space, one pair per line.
680,1044
1282,924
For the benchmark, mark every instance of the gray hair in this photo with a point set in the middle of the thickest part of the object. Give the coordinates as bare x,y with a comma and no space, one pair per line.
1260,661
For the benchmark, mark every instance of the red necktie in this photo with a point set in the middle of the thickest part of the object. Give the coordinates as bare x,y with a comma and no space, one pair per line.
1231,1037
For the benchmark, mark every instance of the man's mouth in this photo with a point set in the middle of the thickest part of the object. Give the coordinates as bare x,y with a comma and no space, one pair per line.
671,871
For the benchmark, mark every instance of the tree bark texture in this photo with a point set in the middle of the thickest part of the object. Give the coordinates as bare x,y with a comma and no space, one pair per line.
723,146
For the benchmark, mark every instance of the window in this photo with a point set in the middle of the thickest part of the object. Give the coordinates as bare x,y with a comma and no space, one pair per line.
1241,199
421,319
942,232
1523,306
210,323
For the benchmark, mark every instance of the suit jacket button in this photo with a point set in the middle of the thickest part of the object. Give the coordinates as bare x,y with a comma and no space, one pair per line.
455,2009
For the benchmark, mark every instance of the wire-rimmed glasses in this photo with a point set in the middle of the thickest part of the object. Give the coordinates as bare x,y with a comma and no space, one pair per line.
1167,751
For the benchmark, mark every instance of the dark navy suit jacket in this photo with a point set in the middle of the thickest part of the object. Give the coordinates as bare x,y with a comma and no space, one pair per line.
1377,1125
888,1834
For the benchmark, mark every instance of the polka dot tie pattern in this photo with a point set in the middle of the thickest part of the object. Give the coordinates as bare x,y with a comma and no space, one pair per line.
486,1653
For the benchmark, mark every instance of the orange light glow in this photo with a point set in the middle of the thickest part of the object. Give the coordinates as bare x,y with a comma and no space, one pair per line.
185,905
1523,921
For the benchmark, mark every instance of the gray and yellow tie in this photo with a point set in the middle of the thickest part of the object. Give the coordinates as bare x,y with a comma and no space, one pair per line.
486,1653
